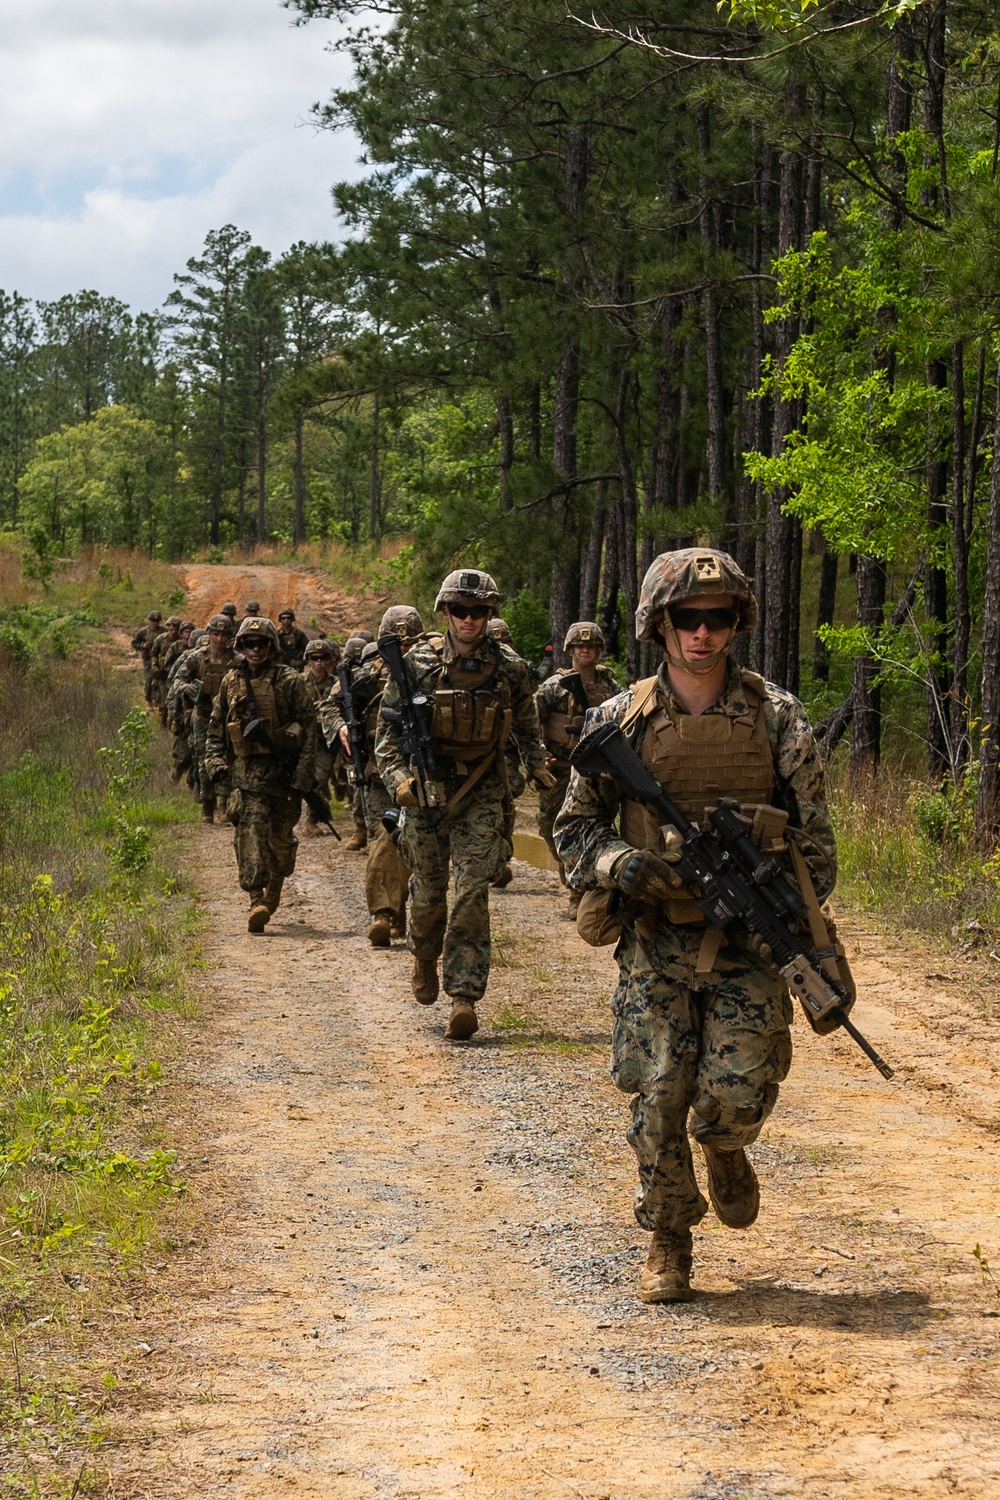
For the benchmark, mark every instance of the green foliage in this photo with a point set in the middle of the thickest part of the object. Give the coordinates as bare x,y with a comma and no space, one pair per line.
529,624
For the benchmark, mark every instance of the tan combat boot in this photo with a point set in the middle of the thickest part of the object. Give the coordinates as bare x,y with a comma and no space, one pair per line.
463,1021
272,896
380,932
208,810
358,840
260,914
397,925
666,1276
504,879
575,897
424,980
732,1187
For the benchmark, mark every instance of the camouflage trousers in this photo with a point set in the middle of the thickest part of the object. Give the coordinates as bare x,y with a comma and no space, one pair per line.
264,841
474,848
701,1055
387,875
147,681
549,805
323,768
358,811
205,789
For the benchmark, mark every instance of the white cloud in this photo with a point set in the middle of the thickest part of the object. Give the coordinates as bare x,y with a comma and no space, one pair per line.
130,128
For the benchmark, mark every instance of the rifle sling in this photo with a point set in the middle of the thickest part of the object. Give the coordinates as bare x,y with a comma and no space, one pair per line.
495,759
817,922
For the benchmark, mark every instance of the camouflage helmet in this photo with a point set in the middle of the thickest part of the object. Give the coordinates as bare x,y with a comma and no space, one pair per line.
187,625
154,616
321,649
500,631
674,576
363,635
584,633
402,620
370,650
228,609
222,623
286,613
353,647
174,620
257,627
469,586
253,607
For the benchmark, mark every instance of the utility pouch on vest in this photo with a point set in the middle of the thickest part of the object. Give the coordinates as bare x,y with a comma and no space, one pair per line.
598,917
240,745
443,726
485,720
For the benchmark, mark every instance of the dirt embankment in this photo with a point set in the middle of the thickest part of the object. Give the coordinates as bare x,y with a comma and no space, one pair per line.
317,602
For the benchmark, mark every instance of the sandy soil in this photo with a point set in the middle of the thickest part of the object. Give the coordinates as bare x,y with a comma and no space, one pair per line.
419,1278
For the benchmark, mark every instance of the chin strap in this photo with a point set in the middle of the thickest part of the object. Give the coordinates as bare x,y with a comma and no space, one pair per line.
694,669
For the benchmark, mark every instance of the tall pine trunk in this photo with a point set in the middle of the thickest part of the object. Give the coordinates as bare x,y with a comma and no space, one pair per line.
988,809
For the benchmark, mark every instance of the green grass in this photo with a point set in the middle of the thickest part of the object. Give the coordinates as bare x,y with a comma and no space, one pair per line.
97,935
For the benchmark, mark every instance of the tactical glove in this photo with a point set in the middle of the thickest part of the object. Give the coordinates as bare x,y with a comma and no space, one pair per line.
646,876
406,793
543,778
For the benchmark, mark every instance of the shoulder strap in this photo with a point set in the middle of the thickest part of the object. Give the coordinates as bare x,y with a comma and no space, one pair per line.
753,684
642,694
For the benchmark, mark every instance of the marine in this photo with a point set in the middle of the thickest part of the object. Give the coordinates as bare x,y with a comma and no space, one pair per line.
387,873
560,718
193,691
320,664
480,694
142,642
262,735
701,1039
291,639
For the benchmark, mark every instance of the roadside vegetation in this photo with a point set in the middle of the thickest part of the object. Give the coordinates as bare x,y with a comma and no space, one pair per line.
96,936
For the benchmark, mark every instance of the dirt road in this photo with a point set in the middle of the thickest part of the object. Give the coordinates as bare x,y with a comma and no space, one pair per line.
419,1276
316,600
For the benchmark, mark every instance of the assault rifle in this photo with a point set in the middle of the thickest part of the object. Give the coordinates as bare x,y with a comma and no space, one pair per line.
734,883
413,718
256,732
356,737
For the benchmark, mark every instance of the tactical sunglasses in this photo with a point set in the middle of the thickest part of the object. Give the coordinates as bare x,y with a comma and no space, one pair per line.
712,619
467,611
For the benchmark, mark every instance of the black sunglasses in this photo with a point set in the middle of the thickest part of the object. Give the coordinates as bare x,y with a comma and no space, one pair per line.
467,611
712,619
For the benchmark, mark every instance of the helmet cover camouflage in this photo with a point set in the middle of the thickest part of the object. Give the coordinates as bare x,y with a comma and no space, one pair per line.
155,616
222,623
253,607
370,650
257,627
321,649
187,625
584,633
402,620
675,576
286,613
174,620
500,631
469,586
228,609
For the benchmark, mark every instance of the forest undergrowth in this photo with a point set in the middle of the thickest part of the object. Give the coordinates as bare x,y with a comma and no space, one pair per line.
97,935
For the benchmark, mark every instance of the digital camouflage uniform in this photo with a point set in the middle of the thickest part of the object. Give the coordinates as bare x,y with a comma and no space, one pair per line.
193,690
560,718
472,834
293,644
158,665
699,1052
143,642
177,720
318,693
266,798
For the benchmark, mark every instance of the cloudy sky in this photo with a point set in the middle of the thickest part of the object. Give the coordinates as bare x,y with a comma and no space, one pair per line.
130,128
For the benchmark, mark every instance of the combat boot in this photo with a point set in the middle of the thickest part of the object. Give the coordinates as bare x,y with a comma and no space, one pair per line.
463,1021
574,904
732,1187
424,980
666,1276
208,810
260,914
310,828
504,879
358,840
397,924
272,896
380,932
